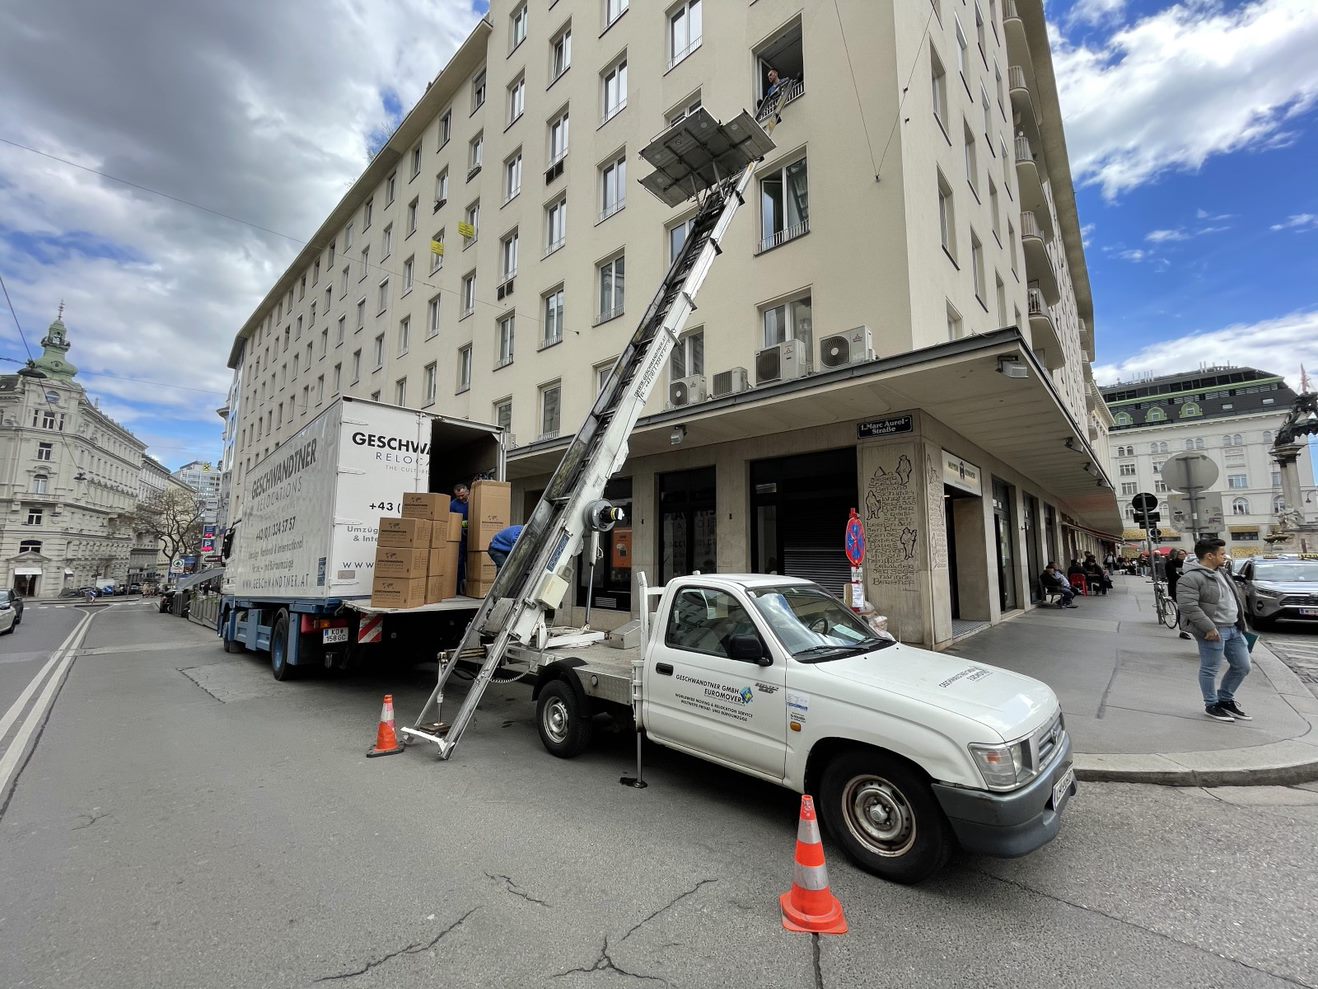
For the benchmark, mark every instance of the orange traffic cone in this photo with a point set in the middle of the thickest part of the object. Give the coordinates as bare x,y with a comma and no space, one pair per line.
386,741
810,906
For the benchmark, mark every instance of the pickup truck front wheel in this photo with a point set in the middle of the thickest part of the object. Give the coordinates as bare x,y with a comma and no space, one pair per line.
563,720
884,815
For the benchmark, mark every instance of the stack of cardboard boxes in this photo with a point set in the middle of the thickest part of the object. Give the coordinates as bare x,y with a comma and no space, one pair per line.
488,512
416,556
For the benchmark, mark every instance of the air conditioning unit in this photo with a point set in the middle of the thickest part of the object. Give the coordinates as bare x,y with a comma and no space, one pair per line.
686,391
731,382
850,347
782,362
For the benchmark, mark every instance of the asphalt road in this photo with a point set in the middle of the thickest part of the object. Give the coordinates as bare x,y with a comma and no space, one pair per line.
1297,646
185,820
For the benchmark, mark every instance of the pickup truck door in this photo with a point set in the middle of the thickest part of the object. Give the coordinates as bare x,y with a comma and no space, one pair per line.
699,699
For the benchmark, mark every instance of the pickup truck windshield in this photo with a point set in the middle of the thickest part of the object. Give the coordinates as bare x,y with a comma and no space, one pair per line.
811,624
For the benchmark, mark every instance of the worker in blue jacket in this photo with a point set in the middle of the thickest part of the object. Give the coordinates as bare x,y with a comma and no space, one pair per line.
502,544
458,504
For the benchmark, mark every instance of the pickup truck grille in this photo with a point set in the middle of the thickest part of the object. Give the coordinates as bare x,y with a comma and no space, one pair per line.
1046,743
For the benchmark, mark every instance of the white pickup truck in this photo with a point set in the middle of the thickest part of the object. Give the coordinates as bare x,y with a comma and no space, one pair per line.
908,752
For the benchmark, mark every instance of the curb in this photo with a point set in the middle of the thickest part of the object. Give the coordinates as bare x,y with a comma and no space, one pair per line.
1283,763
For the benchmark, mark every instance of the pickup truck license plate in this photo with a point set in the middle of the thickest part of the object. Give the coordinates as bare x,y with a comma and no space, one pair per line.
330,635
1309,612
1062,788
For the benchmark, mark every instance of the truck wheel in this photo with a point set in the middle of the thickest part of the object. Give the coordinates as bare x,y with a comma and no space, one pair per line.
563,720
884,815
279,665
230,645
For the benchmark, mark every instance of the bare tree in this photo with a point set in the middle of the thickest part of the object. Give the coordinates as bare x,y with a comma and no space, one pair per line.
173,517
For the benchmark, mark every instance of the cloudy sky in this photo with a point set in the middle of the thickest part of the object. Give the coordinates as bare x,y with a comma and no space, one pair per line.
1191,129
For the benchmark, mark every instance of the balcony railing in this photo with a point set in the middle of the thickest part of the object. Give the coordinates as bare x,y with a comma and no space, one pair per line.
1023,150
794,90
1030,226
780,237
612,111
607,315
610,209
679,55
1009,11
1037,306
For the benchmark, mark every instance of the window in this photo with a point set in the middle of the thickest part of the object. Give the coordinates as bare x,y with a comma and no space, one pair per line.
684,109
954,323
613,185
1155,414
390,188
437,256
375,395
503,414
404,334
1190,409
441,189
508,257
611,282
1127,470
947,218
329,298
1240,506
1122,419
550,400
703,619
987,108
329,261
416,162
602,372
1011,246
34,515
1001,291
464,368
478,91
1276,478
472,219
475,155
677,234
516,100
361,313
613,9
684,31
518,32
1237,481
356,366
432,317
788,321
302,288
977,267
558,135
30,546
46,451
994,213
784,205
939,81
1237,440
411,218
961,49
512,175
408,267
555,224
1160,487
366,261
324,342
338,377
320,388
382,296
468,295
1278,504
40,484
429,378
378,361
1129,487
343,282
347,240
560,57
1267,436
551,321
614,82
506,327
400,391
688,356
1157,464
979,35
972,159
445,129
368,211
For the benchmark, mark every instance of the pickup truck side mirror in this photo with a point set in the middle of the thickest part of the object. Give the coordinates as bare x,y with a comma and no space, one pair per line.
749,648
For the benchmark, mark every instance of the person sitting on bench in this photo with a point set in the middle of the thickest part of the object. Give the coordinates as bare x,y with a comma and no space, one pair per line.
1054,583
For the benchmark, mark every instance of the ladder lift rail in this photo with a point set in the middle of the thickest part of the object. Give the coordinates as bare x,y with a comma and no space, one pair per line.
533,580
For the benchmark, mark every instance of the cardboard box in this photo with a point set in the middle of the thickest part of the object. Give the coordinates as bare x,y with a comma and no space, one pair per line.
477,589
480,567
425,505
491,501
442,588
443,561
389,592
404,533
480,535
394,561
455,530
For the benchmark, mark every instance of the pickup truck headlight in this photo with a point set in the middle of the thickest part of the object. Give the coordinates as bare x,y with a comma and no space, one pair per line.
1004,767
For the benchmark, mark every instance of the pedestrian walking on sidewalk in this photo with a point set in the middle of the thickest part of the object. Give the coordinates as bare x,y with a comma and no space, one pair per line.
1214,614
1175,564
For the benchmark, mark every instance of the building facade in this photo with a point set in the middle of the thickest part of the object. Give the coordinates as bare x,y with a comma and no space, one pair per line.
202,477
71,479
904,328
1232,415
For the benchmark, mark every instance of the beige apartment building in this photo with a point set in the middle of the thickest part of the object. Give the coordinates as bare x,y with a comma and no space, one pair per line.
900,320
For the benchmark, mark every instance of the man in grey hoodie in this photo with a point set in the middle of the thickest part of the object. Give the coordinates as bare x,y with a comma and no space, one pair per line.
1213,612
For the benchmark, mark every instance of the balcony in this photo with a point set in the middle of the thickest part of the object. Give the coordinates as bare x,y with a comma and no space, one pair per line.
780,237
1018,46
1043,331
1038,265
1022,101
1031,173
794,90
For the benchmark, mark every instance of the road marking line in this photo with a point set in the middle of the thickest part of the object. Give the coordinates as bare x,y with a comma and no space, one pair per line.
12,714
39,710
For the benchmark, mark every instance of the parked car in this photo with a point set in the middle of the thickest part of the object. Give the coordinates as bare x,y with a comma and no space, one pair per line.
12,599
8,617
134,588
1279,589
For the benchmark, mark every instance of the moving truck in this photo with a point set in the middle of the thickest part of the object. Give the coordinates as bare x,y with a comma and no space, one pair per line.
300,559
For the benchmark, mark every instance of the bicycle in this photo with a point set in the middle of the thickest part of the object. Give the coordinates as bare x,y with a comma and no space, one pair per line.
1165,607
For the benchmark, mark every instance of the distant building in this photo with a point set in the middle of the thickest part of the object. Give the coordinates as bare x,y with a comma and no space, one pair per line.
69,479
148,555
202,477
1231,414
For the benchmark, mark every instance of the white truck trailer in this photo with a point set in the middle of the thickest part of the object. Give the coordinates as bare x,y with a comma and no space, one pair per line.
299,562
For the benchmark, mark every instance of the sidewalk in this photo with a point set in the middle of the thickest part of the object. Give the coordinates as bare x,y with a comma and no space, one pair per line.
1130,691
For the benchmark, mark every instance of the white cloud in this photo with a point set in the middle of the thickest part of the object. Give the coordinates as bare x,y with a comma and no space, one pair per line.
1189,82
1096,12
1299,222
1086,234
236,119
1279,345
1162,236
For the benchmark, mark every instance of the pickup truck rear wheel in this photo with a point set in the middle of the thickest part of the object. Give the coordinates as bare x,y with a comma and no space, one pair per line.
884,815
563,720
